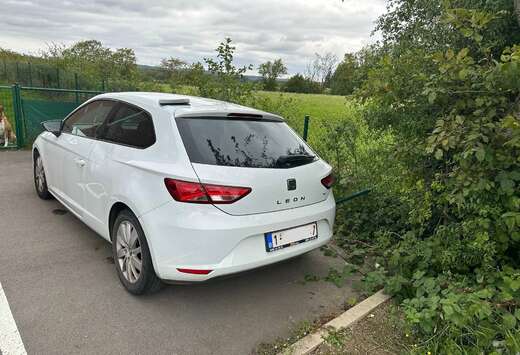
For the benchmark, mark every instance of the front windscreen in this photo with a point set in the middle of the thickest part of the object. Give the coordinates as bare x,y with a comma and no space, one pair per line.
242,143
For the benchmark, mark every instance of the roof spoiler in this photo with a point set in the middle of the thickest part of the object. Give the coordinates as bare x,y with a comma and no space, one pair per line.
244,115
174,102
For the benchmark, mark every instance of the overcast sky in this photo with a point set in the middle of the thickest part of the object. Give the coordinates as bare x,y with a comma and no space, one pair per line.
261,29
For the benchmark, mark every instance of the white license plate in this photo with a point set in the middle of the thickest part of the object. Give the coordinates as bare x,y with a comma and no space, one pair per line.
289,237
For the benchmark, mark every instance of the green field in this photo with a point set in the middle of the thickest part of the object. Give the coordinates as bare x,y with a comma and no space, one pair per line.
316,105
291,106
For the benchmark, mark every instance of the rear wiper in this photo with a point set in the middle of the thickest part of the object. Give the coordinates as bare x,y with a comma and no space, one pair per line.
294,160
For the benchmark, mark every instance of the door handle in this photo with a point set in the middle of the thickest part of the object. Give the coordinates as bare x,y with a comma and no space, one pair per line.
80,162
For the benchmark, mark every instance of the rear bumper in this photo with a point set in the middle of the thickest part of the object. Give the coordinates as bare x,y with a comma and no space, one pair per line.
203,237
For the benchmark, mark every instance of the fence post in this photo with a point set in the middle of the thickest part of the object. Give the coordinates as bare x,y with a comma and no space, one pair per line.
58,76
30,74
306,127
18,115
76,85
17,73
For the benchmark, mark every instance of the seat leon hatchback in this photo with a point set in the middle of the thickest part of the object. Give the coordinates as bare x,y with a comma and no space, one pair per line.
186,189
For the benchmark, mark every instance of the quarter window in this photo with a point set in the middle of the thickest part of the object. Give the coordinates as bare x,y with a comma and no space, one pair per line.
87,121
130,126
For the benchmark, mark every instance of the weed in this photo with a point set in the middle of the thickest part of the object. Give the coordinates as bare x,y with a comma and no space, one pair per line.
279,345
338,278
337,337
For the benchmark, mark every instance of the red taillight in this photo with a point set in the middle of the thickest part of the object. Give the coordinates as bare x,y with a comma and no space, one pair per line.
195,271
185,191
194,192
328,181
225,194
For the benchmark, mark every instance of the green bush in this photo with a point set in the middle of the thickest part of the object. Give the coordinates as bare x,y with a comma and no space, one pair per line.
297,83
224,81
444,222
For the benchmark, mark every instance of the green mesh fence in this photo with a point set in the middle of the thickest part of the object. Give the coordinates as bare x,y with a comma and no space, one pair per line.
38,105
45,74
36,111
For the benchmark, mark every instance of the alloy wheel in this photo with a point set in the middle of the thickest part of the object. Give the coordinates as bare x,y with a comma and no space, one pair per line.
40,174
128,249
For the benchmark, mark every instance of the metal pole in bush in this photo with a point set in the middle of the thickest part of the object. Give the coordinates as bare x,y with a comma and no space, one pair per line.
306,127
76,86
341,200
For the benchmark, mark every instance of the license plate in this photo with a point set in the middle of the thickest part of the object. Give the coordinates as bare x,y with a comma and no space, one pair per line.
289,237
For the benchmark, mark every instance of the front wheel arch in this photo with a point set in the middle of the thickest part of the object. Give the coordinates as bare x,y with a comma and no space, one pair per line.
35,154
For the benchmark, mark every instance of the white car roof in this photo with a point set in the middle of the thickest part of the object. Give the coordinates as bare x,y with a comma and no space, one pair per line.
198,106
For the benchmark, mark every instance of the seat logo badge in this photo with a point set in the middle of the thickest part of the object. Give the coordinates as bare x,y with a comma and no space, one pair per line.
291,184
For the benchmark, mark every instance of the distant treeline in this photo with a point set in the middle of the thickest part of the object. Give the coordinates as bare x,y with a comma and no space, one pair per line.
88,65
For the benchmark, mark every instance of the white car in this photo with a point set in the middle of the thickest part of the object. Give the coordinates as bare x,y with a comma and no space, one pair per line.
186,188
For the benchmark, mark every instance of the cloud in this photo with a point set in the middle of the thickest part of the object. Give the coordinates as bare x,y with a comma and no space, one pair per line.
261,30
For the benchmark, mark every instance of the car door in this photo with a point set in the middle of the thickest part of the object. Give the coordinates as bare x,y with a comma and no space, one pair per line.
78,138
127,128
52,157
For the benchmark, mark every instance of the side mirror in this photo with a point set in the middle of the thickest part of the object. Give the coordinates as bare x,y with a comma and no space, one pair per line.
53,126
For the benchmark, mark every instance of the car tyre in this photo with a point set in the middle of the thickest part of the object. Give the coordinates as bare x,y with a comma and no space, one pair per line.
132,256
40,181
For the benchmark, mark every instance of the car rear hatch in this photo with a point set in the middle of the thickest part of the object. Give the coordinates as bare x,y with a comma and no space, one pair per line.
259,153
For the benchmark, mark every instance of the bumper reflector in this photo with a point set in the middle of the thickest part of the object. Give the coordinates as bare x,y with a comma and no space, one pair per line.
195,271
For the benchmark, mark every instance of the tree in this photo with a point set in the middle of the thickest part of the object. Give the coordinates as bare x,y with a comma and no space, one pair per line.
194,74
422,24
176,69
270,71
224,80
321,68
344,80
298,83
173,64
352,72
517,10
124,61
95,62
8,54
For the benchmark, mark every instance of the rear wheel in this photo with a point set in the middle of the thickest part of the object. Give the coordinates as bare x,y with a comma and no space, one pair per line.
40,181
132,255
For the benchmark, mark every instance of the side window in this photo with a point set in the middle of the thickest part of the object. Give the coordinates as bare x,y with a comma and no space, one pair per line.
130,126
86,121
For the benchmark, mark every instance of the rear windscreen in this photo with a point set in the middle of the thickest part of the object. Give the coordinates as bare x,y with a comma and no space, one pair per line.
242,143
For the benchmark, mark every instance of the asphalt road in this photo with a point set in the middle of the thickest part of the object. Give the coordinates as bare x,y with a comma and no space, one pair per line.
65,296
